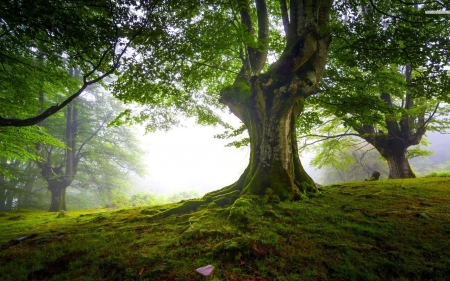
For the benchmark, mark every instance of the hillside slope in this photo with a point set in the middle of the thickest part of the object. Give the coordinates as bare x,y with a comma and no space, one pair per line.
385,230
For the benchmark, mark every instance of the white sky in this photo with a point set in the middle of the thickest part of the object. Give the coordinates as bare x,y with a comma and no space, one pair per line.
190,158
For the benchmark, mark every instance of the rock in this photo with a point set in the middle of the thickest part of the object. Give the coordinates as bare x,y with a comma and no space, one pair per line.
206,271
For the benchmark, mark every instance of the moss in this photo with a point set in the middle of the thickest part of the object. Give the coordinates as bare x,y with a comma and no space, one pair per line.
150,212
268,192
240,91
184,207
62,214
227,198
270,213
198,234
241,209
234,249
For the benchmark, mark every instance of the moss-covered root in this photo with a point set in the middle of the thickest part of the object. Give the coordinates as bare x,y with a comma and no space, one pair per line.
188,206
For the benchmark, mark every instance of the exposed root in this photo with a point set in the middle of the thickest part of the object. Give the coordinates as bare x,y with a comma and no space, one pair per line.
275,184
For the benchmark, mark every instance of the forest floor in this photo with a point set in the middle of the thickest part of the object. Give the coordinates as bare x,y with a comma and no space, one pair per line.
383,230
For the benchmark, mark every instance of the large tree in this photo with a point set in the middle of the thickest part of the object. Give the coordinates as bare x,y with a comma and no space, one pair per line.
389,99
268,58
268,100
380,108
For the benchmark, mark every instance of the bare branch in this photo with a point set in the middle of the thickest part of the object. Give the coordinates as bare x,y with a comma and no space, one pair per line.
79,155
324,138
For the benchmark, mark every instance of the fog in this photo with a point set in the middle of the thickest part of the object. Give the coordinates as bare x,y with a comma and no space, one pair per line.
190,158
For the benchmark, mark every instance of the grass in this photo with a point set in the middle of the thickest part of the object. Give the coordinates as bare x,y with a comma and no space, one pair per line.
384,230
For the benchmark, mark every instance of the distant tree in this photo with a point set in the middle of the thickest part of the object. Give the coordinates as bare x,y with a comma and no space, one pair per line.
388,100
104,155
353,162
392,122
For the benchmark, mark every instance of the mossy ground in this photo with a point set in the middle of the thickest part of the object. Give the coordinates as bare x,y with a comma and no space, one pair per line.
384,230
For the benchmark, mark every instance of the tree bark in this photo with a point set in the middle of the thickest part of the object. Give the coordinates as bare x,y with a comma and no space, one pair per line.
58,201
274,167
393,149
3,197
399,167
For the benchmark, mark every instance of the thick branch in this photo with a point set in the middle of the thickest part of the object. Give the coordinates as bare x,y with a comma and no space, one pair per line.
391,124
324,138
258,56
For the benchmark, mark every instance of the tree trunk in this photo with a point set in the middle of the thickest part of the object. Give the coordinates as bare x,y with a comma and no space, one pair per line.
399,167
9,201
393,149
274,167
58,202
270,103
60,177
2,200
401,134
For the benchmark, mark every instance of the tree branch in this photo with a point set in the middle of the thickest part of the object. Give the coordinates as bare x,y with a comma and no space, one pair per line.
92,135
4,122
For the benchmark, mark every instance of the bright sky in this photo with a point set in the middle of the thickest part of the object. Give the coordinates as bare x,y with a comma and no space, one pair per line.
190,158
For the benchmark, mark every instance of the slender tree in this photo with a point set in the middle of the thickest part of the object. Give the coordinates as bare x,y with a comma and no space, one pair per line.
95,157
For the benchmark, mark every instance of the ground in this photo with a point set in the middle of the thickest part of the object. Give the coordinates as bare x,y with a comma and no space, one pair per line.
383,230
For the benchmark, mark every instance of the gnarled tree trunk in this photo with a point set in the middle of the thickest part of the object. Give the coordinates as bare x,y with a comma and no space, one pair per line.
59,177
393,148
399,167
270,103
406,132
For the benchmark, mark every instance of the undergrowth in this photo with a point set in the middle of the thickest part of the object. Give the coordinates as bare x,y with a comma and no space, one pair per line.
384,230
439,174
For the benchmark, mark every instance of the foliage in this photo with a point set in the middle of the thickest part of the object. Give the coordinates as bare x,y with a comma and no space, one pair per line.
386,230
19,144
40,41
439,174
180,71
182,195
362,162
107,156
